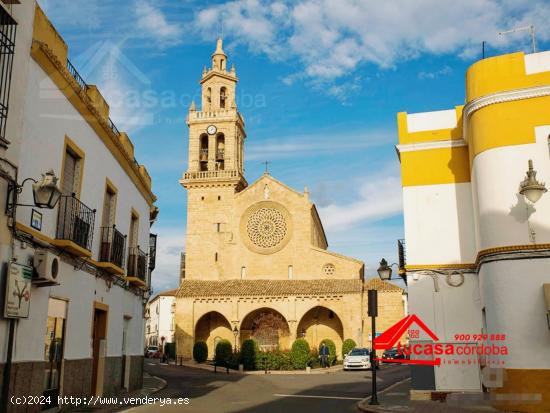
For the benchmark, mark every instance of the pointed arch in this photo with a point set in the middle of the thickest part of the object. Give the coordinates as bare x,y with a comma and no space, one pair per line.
320,323
268,327
211,328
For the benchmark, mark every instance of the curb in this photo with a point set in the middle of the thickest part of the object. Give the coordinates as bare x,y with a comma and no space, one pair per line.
365,407
221,370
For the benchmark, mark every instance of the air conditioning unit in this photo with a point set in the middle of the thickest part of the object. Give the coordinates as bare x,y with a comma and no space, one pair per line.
46,268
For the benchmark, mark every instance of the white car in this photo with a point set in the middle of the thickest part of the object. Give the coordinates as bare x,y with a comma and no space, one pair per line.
358,358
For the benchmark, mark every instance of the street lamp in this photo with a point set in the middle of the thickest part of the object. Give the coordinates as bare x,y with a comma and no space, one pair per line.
530,188
235,333
384,271
46,194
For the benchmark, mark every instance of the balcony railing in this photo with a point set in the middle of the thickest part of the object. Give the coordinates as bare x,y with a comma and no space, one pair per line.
74,73
113,246
152,251
137,264
211,174
75,222
8,28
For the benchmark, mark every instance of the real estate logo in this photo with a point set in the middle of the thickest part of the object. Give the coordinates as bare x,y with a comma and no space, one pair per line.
482,349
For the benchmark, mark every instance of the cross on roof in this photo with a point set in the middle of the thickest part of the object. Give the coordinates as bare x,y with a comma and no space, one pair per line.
266,166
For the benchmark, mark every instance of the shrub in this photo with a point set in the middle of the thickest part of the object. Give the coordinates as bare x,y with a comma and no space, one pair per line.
347,346
314,361
235,360
331,350
249,352
200,351
299,355
276,360
223,353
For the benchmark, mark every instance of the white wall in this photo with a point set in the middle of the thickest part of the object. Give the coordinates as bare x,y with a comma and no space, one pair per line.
427,121
49,116
501,210
439,225
161,318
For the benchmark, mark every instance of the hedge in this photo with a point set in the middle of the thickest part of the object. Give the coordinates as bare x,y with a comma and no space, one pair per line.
223,353
347,346
331,350
200,351
299,355
249,354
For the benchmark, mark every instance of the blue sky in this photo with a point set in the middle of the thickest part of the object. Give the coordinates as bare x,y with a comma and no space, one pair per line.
320,83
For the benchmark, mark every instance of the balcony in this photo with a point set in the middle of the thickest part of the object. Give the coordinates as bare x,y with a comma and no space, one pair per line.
152,251
137,267
402,254
112,250
75,226
231,175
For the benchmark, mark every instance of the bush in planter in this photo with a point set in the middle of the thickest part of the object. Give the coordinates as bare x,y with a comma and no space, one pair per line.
299,355
223,353
314,361
276,360
200,351
331,350
347,346
249,353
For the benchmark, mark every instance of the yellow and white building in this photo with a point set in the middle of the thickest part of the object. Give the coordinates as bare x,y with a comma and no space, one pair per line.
478,252
90,256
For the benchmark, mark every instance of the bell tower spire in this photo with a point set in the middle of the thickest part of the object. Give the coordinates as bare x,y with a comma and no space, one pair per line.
216,131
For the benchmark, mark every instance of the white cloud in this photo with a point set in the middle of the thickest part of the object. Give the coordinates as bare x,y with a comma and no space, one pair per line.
311,145
379,197
332,38
444,71
153,21
170,244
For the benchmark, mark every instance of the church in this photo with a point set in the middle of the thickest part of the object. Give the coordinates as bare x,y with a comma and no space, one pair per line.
257,264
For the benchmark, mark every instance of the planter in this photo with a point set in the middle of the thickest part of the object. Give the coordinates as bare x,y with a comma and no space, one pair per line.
308,369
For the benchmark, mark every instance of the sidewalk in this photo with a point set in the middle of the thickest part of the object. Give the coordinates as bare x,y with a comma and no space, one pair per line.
396,399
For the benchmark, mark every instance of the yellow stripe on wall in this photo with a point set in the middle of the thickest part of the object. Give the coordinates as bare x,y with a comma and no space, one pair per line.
499,74
507,123
435,166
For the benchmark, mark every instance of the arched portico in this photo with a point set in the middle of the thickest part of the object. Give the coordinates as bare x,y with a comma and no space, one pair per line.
211,328
268,327
320,323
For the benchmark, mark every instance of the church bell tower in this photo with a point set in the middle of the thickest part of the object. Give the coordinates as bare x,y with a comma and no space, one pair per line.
215,171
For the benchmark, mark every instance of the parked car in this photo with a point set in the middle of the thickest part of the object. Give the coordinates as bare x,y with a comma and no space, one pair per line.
358,358
152,352
392,353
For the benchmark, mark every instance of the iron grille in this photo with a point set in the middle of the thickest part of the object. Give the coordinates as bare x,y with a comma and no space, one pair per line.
402,254
8,28
113,245
152,251
75,221
113,127
137,264
74,73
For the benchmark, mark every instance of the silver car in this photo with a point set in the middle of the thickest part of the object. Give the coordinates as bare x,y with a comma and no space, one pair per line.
358,358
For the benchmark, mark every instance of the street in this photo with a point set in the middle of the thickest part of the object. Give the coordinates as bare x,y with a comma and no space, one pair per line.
209,392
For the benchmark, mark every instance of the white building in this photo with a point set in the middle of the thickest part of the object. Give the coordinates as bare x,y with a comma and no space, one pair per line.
478,247
159,319
83,333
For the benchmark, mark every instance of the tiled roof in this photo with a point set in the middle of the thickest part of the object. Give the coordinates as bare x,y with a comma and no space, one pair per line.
167,293
383,286
200,288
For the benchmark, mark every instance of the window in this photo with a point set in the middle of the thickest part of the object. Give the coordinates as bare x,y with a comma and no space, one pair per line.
290,272
8,28
223,96
203,153
216,257
218,226
109,202
243,272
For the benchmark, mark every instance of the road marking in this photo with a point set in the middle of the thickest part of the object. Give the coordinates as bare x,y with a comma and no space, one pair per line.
304,396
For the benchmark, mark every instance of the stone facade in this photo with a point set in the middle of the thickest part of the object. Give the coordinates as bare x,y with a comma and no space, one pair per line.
256,255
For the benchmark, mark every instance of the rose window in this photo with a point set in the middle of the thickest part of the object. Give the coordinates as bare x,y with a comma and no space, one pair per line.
266,227
329,269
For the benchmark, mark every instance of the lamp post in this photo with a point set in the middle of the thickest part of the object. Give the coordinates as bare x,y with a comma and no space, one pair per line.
385,271
46,194
235,333
373,313
532,190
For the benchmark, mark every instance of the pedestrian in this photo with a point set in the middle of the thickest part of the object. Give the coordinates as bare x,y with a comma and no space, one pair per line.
323,353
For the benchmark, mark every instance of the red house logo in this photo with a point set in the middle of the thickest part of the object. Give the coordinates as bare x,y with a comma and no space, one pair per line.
390,337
